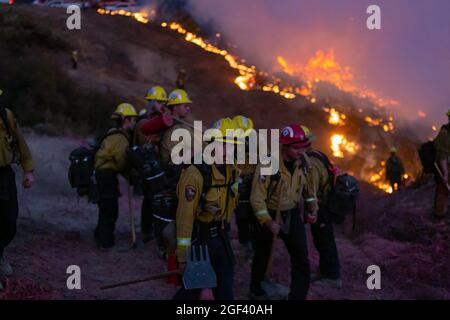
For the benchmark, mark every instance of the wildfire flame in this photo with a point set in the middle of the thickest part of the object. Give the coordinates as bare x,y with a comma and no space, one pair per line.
323,67
339,144
336,118
141,17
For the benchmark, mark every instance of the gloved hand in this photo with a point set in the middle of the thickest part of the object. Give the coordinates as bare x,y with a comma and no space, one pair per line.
212,207
28,179
273,227
311,217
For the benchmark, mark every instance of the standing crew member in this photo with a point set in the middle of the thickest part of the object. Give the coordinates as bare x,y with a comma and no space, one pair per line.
394,170
164,204
207,198
13,149
181,79
110,160
157,99
74,60
320,180
442,156
245,218
292,181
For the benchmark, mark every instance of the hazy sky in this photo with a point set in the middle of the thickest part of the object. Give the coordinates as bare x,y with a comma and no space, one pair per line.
408,59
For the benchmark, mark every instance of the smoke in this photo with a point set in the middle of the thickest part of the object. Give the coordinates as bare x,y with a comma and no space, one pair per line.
407,60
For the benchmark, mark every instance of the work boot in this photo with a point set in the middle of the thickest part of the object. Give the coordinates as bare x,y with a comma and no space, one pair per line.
437,217
258,293
332,283
5,268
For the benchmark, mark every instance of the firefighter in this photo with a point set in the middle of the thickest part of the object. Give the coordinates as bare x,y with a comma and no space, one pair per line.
74,60
156,100
207,199
164,203
290,183
13,149
320,179
110,160
442,154
394,170
181,79
245,219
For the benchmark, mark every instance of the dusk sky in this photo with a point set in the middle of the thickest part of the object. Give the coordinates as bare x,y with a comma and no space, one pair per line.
407,60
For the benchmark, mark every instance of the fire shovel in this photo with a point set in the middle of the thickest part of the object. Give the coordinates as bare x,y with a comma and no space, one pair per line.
198,274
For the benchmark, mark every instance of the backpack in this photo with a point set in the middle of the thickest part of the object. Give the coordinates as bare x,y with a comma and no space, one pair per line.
343,194
342,199
81,168
206,172
145,160
427,153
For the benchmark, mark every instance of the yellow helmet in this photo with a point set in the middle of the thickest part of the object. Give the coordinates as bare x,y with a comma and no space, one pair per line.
227,128
125,110
244,123
448,112
393,150
157,93
308,133
1,92
178,96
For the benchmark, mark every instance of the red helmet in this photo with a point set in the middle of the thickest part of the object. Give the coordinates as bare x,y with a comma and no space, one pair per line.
294,135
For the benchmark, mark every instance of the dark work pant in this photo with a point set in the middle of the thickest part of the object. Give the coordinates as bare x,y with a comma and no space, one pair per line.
323,238
108,207
244,214
296,245
8,207
223,267
147,216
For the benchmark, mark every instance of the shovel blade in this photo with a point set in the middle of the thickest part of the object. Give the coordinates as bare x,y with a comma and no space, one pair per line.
199,273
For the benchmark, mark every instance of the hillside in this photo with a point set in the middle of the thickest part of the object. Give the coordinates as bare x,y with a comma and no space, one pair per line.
119,60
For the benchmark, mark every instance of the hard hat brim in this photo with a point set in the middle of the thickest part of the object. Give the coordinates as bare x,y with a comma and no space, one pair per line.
228,141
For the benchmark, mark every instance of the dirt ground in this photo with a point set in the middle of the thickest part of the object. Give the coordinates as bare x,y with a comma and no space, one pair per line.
56,231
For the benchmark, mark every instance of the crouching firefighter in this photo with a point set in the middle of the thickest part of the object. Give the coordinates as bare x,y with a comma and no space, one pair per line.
277,197
13,149
321,180
207,198
110,160
157,99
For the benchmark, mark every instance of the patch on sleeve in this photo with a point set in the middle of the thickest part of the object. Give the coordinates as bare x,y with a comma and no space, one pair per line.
262,179
190,192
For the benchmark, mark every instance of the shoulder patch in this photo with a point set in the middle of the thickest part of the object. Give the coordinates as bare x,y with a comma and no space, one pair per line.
190,192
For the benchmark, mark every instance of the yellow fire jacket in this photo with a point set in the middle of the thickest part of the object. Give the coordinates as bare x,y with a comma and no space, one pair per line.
166,145
218,203
6,151
112,154
293,187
